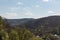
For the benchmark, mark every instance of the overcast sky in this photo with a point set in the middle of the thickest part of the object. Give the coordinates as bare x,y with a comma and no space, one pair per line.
13,9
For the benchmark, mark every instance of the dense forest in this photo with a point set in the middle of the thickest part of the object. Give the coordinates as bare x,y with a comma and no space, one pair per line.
29,30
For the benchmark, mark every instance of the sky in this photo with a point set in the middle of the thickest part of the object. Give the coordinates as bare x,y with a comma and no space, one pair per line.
15,9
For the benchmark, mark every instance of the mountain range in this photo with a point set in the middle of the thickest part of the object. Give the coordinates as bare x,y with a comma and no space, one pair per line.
50,20
47,24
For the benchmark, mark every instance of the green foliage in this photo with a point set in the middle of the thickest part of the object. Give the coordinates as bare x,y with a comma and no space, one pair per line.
2,23
4,35
36,38
13,35
27,35
24,34
51,37
20,33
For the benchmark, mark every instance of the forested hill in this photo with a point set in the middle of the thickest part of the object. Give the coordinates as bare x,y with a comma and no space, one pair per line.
50,23
46,28
14,22
8,32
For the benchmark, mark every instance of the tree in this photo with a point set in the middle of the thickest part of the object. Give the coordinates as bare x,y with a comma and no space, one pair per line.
4,35
2,23
13,35
25,34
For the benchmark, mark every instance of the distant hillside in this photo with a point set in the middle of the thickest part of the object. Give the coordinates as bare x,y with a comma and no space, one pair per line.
47,24
51,21
47,28
14,22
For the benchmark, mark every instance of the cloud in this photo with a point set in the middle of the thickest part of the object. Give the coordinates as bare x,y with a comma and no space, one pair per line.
37,6
51,12
26,8
9,15
45,0
19,3
13,8
28,13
